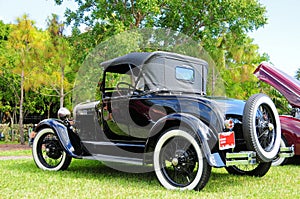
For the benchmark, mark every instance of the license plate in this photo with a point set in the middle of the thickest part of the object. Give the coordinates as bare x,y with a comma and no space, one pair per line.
226,140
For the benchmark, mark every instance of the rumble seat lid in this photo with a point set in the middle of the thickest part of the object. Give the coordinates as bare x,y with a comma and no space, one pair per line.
288,86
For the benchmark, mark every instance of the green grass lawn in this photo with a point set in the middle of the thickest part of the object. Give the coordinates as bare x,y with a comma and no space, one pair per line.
92,179
15,153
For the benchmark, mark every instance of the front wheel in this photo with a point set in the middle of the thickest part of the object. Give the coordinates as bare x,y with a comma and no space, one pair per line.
48,153
257,170
179,162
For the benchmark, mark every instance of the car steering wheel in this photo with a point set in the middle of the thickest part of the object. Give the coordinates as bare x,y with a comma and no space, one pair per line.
124,83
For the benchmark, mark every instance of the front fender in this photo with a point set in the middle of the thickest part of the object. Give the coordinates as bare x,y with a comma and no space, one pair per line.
207,137
62,133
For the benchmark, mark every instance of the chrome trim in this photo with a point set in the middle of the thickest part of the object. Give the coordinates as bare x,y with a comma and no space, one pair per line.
286,152
241,158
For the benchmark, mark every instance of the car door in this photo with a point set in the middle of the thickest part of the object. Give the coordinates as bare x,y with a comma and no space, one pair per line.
116,105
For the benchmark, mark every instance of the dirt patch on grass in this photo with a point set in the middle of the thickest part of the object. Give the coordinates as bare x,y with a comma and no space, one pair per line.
14,147
8,147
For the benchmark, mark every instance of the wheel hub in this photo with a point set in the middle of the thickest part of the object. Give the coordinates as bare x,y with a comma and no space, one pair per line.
53,151
271,126
175,162
181,160
266,132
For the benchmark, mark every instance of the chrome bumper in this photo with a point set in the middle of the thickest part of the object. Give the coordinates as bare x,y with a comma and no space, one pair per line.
286,152
241,158
249,157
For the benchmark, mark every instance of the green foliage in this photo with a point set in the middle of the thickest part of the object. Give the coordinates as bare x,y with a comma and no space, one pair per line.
4,33
11,133
37,59
57,70
219,26
209,19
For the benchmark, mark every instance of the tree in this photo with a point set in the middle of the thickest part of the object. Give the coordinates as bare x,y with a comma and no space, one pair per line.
219,26
59,60
203,20
25,46
5,93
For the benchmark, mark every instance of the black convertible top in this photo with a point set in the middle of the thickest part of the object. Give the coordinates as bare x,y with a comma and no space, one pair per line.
140,58
163,70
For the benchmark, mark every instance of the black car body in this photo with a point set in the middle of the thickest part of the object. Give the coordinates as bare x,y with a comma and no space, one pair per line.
154,111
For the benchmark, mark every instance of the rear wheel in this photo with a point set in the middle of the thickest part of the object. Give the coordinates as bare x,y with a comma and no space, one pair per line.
261,127
257,170
179,162
48,153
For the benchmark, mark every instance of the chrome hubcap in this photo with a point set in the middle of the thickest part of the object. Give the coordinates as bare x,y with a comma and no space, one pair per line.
175,162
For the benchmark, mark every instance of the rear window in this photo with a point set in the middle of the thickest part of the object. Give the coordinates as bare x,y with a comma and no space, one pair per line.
185,73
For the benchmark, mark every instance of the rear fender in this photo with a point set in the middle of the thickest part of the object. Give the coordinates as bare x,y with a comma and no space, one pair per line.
61,131
208,139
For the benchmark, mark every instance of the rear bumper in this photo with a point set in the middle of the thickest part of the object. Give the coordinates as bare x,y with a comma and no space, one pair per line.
287,152
249,157
240,158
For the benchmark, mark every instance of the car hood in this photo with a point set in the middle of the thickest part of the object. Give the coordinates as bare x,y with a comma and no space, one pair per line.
288,86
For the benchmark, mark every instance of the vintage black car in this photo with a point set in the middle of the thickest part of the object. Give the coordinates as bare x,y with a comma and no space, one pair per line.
154,112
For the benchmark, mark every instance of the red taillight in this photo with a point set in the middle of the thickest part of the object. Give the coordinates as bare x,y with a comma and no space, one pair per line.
229,124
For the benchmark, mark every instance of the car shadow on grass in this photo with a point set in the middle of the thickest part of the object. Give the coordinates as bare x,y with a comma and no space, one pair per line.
293,160
95,170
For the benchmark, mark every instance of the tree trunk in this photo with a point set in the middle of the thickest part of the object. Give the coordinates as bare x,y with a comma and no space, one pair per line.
21,109
61,97
61,94
49,107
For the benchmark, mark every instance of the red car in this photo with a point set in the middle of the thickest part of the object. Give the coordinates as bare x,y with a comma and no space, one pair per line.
289,87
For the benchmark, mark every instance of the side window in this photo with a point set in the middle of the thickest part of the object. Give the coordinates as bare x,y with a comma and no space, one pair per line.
120,80
113,79
118,84
185,73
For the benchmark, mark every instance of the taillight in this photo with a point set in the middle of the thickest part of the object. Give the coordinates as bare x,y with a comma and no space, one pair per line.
229,124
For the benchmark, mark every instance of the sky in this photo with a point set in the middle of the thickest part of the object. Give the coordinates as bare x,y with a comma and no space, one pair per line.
280,38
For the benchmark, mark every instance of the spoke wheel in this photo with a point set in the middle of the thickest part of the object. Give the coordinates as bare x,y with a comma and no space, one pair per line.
47,151
179,161
257,170
261,127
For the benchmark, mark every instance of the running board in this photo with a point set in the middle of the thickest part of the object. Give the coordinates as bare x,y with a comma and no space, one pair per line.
286,152
109,158
241,158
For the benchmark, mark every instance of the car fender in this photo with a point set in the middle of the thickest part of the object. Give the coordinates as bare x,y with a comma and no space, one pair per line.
206,136
62,133
290,129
